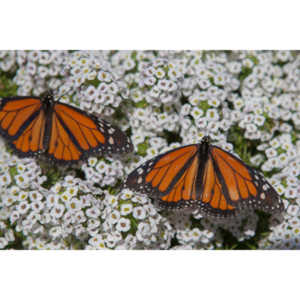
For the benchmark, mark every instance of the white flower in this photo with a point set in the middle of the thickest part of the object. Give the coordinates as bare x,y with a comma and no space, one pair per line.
65,197
163,84
92,161
214,102
144,228
104,76
283,55
204,84
52,200
74,204
247,62
21,168
55,232
22,180
97,241
256,159
112,200
23,196
291,192
126,209
219,79
123,225
139,212
185,109
37,205
9,235
130,240
126,194
293,210
292,181
280,189
140,114
56,188
93,212
9,199
234,67
72,191
196,234
111,241
79,216
259,120
35,196
101,167
129,64
57,211
212,115
140,199
3,242
196,113
23,207
270,152
159,73
250,81
114,217
251,128
90,93
93,224
282,159
150,80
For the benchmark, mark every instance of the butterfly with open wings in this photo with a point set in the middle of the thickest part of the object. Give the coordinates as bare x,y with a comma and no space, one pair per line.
64,133
204,176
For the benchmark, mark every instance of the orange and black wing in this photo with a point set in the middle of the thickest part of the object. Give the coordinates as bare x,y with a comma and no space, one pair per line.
170,178
74,134
230,185
22,124
212,197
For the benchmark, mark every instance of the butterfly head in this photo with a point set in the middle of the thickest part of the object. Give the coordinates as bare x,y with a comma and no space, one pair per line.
48,98
206,140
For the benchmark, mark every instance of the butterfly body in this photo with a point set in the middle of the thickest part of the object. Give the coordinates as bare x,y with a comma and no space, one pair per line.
204,176
66,134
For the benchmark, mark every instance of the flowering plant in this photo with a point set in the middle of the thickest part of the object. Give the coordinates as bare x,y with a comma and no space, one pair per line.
248,102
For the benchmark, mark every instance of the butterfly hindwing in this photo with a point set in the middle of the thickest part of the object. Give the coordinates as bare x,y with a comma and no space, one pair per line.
242,185
212,196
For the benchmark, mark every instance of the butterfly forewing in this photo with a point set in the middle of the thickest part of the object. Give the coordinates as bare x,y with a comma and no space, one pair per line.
158,175
16,114
22,123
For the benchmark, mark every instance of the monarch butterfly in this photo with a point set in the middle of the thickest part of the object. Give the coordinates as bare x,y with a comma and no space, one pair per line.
204,176
34,125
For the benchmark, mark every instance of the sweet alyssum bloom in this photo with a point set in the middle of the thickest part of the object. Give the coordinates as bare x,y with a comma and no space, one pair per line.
123,225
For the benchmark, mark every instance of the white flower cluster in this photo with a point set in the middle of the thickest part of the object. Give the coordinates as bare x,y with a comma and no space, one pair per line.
244,100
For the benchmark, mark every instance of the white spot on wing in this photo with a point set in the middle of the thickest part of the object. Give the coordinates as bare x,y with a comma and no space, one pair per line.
111,130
